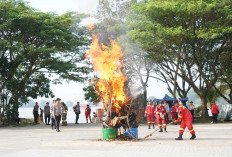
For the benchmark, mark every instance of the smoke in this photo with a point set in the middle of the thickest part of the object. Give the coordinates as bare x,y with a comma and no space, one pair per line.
135,89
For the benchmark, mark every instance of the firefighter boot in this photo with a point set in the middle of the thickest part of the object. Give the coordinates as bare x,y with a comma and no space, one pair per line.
161,130
193,137
179,138
165,129
149,127
153,126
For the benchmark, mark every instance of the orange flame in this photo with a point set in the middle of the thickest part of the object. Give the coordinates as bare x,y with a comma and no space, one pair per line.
90,26
106,61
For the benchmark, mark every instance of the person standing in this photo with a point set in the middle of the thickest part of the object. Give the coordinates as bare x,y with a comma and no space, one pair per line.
77,111
41,114
58,110
36,112
150,113
214,111
186,119
47,113
160,116
64,114
87,114
52,115
173,112
166,105
191,109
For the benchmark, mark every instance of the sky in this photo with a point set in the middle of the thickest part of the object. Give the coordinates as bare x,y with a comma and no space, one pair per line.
73,91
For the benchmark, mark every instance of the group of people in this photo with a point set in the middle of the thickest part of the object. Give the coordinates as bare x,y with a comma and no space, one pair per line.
56,112
161,113
53,113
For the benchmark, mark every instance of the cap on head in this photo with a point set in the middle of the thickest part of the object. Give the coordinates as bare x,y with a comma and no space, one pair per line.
58,99
191,101
47,102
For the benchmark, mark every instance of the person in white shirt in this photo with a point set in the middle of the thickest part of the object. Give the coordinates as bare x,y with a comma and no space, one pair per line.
191,109
57,111
166,105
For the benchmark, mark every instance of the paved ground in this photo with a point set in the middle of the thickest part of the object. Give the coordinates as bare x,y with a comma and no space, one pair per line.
82,140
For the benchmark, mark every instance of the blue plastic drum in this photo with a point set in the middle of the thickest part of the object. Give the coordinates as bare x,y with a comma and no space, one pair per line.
134,132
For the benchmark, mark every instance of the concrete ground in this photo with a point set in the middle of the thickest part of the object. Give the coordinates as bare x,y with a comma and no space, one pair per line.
82,140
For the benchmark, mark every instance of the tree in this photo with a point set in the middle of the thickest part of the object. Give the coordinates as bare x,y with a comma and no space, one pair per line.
112,16
194,36
90,94
224,85
35,46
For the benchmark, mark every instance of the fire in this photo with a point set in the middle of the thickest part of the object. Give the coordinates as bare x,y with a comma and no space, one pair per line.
106,62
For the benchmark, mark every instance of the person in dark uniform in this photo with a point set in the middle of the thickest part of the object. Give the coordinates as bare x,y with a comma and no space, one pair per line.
47,113
64,114
191,109
41,114
77,111
36,112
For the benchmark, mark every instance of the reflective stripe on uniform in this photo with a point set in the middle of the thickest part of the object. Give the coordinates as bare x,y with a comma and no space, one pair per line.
153,122
180,116
182,129
164,124
159,125
191,130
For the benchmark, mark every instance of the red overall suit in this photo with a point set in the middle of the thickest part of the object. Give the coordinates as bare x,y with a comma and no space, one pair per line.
173,112
150,112
87,113
161,110
214,109
186,119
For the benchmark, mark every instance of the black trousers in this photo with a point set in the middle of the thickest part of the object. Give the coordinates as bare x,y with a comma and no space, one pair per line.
215,118
166,118
77,117
36,114
47,119
53,122
57,123
192,113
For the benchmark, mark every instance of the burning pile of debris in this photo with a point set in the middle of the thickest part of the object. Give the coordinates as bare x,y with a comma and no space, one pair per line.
120,111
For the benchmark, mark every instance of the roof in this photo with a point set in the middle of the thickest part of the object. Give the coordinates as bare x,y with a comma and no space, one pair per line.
168,98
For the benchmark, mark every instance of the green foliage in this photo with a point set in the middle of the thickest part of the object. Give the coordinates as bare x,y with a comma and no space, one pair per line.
35,45
192,36
90,94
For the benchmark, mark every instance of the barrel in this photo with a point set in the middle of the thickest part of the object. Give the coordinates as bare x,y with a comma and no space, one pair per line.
109,133
99,113
132,131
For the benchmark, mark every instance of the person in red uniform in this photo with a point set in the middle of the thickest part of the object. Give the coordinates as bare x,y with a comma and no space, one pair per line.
214,110
160,116
186,119
173,112
87,113
150,113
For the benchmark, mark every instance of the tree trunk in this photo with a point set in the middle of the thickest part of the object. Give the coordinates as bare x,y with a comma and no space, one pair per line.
144,96
204,108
